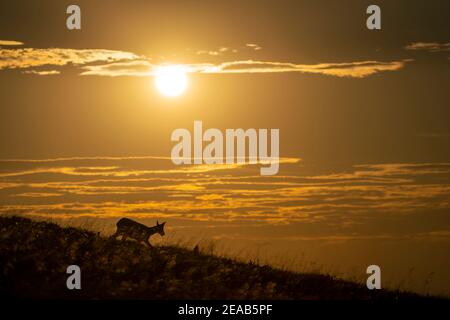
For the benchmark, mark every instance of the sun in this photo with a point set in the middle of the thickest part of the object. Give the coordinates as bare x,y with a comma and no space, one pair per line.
171,80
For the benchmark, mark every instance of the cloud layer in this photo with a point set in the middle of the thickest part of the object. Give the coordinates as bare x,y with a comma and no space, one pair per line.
151,186
429,46
102,62
10,43
30,57
359,69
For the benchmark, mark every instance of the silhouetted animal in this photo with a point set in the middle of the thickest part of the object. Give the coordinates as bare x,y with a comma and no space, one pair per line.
128,228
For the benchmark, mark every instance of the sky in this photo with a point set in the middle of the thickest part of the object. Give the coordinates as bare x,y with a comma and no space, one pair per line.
363,115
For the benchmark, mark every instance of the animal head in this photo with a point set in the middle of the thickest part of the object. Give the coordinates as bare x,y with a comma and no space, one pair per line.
160,228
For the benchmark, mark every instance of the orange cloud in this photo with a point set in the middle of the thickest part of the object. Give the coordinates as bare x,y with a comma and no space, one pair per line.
123,63
31,57
43,72
429,46
358,69
10,43
111,187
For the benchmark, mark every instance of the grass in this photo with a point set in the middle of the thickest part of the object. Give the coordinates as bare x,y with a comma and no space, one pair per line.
34,257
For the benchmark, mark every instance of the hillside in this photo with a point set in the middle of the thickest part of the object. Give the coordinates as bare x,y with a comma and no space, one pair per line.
34,257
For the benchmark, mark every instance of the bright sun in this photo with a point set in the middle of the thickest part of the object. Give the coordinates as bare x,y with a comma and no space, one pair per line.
171,81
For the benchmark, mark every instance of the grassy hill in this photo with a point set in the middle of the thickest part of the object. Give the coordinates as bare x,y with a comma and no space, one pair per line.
34,257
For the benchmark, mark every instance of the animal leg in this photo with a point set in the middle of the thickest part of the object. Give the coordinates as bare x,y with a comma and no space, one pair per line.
115,235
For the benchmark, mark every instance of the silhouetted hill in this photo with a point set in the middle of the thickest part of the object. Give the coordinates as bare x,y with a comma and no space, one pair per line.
34,257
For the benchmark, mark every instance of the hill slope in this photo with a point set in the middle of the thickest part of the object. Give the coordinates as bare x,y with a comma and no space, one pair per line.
34,257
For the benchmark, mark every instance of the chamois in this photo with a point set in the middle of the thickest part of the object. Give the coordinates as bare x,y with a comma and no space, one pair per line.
128,228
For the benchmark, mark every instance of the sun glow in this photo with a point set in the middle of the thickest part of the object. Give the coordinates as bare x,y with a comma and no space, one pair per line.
171,80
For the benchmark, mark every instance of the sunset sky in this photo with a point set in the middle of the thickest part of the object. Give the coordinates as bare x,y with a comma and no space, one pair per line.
363,116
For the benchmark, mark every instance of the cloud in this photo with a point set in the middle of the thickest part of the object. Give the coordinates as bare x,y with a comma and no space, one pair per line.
38,194
31,57
224,50
137,68
10,43
359,69
211,52
218,52
112,63
42,73
253,46
115,171
110,187
83,158
389,172
429,46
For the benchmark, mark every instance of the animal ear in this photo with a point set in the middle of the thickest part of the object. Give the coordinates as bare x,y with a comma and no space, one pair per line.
157,223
